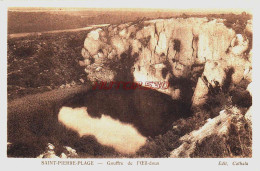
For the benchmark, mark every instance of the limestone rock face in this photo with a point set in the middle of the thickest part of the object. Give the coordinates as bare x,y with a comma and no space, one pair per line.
214,71
217,127
166,50
239,45
201,93
204,111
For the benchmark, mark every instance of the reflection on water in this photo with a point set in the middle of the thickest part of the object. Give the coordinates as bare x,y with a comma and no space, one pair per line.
122,118
108,131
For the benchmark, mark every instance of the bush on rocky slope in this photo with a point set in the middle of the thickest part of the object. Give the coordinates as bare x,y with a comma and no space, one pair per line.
38,64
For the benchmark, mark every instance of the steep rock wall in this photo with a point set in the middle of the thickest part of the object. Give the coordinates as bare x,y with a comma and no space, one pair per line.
175,50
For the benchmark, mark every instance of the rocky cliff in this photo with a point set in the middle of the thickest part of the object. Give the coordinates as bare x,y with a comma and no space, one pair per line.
181,51
206,61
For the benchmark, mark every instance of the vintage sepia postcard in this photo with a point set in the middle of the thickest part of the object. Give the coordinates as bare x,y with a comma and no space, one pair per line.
95,85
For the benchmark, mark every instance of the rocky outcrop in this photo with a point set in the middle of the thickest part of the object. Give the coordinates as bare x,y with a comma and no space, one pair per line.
67,152
199,57
168,50
206,62
219,127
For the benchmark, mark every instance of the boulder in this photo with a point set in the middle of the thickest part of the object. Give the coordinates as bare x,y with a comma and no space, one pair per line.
214,71
200,95
239,45
215,127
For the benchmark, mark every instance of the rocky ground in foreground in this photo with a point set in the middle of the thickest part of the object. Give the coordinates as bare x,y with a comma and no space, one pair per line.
207,62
